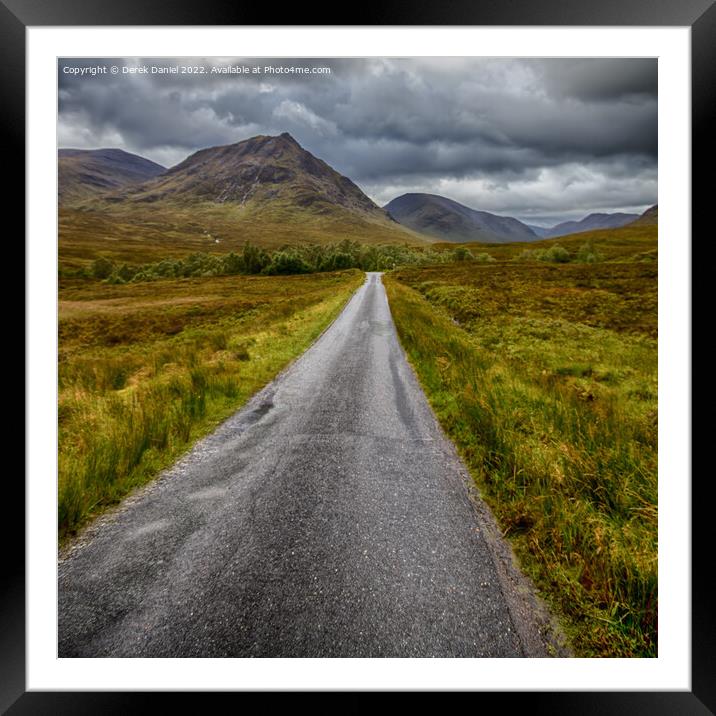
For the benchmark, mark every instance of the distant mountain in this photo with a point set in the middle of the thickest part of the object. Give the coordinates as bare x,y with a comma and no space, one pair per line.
84,173
541,231
649,218
266,189
447,220
590,223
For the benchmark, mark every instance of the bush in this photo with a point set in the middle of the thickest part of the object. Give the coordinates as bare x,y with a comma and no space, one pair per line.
284,263
102,268
588,254
234,264
255,259
462,253
556,254
339,261
126,273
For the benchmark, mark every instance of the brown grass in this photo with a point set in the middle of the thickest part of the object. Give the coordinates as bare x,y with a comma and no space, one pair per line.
146,369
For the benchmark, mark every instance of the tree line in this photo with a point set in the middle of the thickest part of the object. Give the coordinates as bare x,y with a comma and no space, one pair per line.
255,260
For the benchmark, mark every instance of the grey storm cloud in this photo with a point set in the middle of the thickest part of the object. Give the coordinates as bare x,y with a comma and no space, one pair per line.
540,139
605,80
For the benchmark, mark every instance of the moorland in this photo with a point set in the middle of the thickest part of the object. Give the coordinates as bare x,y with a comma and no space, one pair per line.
184,291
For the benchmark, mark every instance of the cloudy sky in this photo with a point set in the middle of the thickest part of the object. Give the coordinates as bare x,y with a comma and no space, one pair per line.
543,140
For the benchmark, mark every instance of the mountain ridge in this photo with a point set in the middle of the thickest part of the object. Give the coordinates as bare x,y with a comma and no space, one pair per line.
591,222
262,168
269,188
447,220
86,173
649,218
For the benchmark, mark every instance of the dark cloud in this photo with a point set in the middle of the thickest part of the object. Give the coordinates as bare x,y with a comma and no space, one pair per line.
605,80
534,138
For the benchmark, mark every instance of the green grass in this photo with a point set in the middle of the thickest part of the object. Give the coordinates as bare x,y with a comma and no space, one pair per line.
146,369
545,377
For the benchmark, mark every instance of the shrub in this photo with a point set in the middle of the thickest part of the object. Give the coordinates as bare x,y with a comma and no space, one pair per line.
588,254
462,253
283,263
556,254
102,268
339,261
234,264
255,259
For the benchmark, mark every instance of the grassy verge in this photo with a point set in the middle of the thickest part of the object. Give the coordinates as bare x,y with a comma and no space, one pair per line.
545,377
146,369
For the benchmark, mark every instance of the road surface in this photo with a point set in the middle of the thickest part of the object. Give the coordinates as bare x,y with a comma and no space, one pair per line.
330,517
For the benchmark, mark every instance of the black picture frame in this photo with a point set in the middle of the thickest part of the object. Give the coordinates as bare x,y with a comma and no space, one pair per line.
699,15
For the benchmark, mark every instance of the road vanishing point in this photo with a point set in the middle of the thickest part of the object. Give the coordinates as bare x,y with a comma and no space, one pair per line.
329,517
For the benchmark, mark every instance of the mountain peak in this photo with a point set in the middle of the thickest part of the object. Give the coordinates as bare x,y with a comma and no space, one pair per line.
270,141
259,171
289,138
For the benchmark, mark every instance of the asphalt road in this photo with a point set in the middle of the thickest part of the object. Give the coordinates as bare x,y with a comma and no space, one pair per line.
328,517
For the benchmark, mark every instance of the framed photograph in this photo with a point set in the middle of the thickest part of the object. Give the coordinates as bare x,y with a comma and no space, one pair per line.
359,356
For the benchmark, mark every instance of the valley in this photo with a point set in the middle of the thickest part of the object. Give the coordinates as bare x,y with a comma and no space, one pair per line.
185,293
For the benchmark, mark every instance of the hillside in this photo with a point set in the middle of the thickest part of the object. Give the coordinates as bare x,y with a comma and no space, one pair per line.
259,170
649,218
592,222
448,220
88,173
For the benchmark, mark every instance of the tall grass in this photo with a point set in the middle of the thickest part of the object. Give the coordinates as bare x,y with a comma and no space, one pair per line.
556,420
128,409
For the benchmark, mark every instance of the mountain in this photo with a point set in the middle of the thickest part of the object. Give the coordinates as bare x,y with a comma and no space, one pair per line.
590,223
541,231
649,218
448,220
262,169
84,173
267,189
